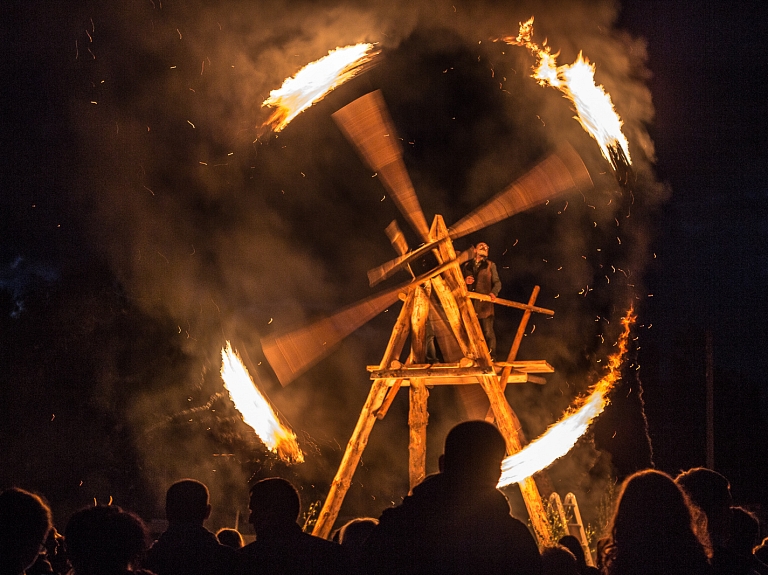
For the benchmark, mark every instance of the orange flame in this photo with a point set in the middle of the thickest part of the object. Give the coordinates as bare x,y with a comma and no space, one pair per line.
562,436
577,82
314,81
255,408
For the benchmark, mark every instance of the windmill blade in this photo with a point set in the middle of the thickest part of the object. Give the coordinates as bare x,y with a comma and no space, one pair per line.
366,123
560,173
291,354
396,238
388,269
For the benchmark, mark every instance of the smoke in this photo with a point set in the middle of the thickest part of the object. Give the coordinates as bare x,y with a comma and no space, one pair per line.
217,235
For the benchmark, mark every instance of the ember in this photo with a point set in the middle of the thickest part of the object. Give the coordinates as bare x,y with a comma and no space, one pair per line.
562,436
255,408
314,81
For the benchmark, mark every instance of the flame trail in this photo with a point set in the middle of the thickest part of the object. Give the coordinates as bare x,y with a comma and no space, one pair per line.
562,436
314,81
577,82
255,408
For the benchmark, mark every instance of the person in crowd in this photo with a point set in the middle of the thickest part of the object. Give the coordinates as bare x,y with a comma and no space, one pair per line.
654,530
745,533
456,521
230,537
761,551
105,540
574,546
352,536
558,560
25,521
281,546
481,276
711,493
187,547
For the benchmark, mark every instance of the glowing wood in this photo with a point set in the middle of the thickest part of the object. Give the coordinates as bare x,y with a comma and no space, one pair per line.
417,436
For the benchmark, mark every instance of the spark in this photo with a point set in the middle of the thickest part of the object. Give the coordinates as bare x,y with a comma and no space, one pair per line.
314,81
256,409
562,436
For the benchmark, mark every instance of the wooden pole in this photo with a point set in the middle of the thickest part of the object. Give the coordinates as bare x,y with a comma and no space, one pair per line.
512,356
510,303
349,462
417,439
509,426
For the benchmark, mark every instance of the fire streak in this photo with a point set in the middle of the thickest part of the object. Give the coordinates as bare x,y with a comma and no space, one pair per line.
314,81
577,83
255,408
562,436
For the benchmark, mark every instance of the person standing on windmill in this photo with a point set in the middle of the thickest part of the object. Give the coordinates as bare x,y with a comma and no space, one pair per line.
481,276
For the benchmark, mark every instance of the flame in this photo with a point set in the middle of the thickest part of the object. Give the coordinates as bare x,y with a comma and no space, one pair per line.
562,436
577,82
314,81
255,408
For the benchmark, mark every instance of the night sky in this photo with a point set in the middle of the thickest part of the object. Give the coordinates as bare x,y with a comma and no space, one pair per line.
146,220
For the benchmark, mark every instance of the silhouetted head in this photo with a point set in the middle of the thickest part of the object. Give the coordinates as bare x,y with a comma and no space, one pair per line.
572,544
25,520
653,512
473,452
745,531
711,493
558,560
355,532
761,551
230,537
186,501
105,540
274,502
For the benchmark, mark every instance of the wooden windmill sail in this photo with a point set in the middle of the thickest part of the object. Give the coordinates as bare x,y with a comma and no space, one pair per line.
467,361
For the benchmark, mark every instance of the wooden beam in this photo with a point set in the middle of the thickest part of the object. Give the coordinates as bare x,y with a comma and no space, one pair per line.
417,438
528,366
355,446
510,303
407,372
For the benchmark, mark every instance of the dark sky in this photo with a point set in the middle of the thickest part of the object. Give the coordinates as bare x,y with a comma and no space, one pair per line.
143,225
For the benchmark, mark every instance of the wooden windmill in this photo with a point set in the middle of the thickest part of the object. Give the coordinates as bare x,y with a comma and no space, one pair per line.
468,363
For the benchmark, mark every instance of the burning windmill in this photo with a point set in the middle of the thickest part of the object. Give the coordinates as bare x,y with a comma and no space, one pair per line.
468,363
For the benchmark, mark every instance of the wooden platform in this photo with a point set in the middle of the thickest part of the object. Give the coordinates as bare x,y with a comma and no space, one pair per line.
457,374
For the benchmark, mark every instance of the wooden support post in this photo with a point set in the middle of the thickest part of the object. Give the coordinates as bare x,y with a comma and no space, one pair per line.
417,422
419,315
355,447
518,337
509,426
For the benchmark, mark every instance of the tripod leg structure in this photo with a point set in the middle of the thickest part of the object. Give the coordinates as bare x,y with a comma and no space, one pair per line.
349,462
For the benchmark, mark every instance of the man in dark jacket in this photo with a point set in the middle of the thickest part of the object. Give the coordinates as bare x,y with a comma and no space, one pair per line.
281,547
188,548
456,521
481,276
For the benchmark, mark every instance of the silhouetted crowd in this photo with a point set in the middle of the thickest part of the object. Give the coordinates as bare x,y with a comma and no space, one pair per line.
455,521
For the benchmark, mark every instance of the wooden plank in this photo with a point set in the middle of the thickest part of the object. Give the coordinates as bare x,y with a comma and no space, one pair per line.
510,303
528,366
406,372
